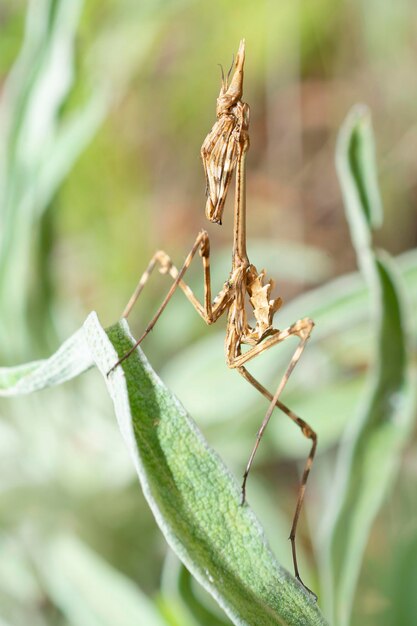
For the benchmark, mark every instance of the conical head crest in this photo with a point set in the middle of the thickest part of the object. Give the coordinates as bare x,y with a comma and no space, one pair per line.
230,93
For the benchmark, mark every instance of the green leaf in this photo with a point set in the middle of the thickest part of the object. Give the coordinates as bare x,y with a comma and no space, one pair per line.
195,500
362,187
192,495
371,449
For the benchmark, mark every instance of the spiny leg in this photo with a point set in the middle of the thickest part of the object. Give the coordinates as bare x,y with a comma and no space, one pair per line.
164,263
209,312
166,266
302,329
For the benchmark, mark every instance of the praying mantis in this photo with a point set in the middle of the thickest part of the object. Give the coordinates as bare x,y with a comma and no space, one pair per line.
223,153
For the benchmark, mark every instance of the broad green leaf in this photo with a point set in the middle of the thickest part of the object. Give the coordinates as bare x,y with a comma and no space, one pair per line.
370,451
196,502
192,495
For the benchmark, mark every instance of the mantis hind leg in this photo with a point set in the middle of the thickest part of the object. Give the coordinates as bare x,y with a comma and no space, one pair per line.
302,329
307,432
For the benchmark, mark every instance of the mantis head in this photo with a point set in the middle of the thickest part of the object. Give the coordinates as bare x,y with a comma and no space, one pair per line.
231,93
227,140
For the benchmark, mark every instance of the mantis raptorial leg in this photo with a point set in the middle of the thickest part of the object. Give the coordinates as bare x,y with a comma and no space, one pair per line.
223,153
210,311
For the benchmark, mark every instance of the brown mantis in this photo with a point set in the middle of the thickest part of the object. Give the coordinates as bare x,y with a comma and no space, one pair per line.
223,152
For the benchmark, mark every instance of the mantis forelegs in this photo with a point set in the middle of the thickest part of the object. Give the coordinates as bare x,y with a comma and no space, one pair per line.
210,312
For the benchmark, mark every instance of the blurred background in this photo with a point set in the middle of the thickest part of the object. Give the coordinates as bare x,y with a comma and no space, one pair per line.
104,107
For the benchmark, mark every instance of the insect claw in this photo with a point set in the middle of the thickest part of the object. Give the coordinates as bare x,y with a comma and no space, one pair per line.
311,593
243,488
112,369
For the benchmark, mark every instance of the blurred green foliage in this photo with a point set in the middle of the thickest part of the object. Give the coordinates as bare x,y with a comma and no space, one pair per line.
104,107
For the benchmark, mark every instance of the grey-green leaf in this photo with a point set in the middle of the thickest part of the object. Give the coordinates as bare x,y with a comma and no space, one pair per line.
71,359
370,452
193,496
195,500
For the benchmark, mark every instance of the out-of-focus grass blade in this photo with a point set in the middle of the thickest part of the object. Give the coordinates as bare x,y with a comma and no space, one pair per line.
202,613
88,591
170,602
37,149
19,584
179,598
370,452
403,584
194,499
42,133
